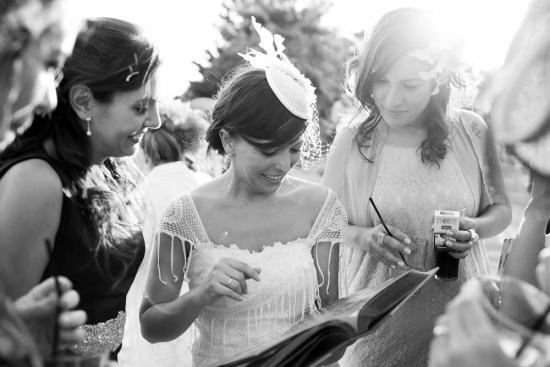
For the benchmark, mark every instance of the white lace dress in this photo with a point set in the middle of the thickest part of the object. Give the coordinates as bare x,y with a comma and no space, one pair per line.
287,292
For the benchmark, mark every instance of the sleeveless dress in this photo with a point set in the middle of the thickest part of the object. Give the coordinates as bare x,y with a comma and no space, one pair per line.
103,302
407,192
287,292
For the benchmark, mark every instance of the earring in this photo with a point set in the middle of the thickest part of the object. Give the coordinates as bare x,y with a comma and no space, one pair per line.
89,132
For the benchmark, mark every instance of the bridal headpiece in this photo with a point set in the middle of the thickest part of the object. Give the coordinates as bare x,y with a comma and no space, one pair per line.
292,88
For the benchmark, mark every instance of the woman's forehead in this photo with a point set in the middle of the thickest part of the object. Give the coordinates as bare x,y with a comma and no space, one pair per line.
406,67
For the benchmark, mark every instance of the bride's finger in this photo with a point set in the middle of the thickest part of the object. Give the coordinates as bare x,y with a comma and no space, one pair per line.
234,281
221,290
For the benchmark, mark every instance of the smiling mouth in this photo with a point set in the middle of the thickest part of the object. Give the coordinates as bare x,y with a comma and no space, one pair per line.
274,179
394,112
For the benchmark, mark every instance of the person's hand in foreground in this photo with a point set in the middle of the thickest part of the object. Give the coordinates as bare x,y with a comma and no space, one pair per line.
37,309
465,336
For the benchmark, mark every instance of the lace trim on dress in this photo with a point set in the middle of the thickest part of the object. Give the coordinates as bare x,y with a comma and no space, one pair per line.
272,308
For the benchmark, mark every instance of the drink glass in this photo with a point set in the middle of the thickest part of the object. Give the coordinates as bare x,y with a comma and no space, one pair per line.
515,307
68,359
448,265
416,259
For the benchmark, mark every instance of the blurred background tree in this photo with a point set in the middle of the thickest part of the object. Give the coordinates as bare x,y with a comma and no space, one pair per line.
317,51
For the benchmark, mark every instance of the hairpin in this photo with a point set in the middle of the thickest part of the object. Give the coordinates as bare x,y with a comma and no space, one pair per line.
131,68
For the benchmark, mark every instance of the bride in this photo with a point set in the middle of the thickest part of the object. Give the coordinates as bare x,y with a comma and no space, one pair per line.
259,248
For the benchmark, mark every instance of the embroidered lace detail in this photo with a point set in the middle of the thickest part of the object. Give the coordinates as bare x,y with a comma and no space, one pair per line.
406,193
288,291
104,335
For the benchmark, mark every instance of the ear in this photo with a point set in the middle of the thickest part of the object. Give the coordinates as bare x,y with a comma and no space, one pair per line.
81,99
227,141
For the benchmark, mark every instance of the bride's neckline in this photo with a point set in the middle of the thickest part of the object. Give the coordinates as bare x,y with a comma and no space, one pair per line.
236,246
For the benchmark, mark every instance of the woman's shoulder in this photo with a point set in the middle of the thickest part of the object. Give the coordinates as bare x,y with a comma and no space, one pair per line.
33,174
307,193
473,121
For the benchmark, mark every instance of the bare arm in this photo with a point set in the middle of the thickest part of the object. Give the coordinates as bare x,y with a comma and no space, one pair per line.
496,217
530,237
31,199
327,271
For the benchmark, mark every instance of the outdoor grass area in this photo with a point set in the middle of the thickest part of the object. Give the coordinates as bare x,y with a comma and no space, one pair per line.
516,178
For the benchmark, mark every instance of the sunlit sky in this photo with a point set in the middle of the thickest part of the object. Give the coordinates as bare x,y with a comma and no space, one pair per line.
184,29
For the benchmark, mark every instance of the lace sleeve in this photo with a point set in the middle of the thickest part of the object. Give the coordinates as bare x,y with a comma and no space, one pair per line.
332,222
179,222
330,227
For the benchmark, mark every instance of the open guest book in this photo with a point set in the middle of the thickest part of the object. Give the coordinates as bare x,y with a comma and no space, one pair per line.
323,336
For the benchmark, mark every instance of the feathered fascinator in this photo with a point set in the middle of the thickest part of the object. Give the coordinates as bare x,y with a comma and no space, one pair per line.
292,88
435,54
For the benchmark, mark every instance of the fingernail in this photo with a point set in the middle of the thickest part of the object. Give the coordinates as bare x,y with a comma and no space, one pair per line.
407,250
407,241
401,264
392,266
449,244
449,233
240,298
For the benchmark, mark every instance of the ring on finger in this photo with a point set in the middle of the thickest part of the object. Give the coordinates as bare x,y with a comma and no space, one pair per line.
229,282
381,237
473,235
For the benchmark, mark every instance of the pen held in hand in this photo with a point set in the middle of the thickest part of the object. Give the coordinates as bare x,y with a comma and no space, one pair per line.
386,228
59,294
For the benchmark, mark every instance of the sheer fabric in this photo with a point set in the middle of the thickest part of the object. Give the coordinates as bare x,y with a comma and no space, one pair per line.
287,292
164,183
407,192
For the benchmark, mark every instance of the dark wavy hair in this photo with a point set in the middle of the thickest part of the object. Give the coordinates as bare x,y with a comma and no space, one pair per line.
397,33
103,51
247,108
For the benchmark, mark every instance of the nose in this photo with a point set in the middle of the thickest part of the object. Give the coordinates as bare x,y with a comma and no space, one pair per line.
284,161
153,120
393,97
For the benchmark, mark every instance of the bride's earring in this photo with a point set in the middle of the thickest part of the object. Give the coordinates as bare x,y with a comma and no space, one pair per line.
88,120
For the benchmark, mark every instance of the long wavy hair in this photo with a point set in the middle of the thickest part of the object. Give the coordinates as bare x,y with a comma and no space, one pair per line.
397,33
107,194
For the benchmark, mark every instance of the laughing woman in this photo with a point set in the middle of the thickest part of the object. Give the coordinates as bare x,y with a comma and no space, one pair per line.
253,218
66,179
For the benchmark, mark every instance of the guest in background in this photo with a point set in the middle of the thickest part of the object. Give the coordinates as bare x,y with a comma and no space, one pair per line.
409,148
166,150
66,179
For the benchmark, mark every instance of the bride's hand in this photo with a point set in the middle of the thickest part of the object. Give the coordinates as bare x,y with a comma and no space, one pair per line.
384,248
228,279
